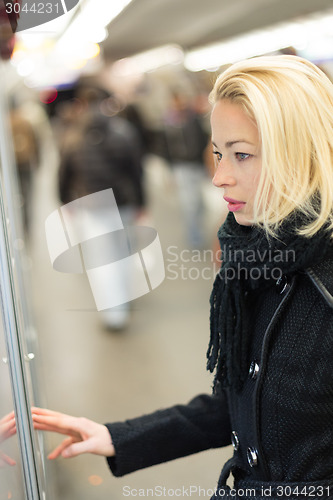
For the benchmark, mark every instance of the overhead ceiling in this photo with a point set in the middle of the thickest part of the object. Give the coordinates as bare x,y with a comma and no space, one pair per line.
146,24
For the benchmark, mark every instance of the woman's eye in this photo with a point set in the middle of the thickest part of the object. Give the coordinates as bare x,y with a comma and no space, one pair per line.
218,156
242,156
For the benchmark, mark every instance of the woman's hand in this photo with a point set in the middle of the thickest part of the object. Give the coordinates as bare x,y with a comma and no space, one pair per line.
7,429
7,426
84,436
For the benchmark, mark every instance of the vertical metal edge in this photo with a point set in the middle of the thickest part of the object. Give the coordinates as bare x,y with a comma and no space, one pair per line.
11,331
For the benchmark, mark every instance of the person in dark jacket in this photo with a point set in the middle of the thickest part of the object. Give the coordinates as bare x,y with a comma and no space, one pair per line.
100,152
271,341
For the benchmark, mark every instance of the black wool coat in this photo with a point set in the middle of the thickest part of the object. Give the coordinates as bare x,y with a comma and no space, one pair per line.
280,423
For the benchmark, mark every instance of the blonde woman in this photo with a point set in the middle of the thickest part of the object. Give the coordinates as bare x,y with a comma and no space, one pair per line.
271,343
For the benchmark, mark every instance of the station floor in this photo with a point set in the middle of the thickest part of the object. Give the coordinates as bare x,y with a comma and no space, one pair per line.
85,370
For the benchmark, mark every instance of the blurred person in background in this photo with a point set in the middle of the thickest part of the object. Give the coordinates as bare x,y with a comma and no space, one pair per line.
100,152
186,140
27,156
271,339
131,113
8,25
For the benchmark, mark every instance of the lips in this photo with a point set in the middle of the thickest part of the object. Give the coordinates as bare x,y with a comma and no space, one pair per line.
234,205
231,200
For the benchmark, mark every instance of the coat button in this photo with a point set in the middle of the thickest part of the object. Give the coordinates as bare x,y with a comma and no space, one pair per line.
282,284
252,457
253,370
235,440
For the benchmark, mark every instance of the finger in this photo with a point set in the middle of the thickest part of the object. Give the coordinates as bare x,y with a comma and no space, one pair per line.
59,422
6,418
44,411
59,449
41,411
62,421
77,448
7,427
45,424
46,427
6,460
7,433
67,425
9,460
42,427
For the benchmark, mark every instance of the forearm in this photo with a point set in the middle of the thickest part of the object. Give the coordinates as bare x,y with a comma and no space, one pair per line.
169,434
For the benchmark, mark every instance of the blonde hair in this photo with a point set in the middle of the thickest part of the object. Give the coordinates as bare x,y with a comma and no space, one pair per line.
291,101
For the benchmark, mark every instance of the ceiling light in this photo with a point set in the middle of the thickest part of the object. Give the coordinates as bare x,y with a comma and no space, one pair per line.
300,33
148,61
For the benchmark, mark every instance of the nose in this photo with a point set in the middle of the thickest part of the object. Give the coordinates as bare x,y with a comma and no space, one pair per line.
223,176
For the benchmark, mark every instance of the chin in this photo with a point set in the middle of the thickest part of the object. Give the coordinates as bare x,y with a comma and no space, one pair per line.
242,220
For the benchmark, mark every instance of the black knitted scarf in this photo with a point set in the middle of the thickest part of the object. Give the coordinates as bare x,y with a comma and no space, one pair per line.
251,260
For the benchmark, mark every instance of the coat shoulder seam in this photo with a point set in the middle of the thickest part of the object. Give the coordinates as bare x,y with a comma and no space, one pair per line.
320,285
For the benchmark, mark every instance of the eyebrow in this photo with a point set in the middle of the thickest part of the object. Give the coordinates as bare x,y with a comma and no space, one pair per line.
231,143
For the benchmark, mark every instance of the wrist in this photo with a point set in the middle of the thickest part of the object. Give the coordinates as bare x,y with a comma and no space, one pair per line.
109,449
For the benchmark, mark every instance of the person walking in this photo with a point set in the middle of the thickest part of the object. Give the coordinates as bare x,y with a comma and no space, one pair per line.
100,152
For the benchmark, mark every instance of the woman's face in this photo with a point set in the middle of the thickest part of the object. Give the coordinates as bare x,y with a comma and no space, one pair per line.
237,154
